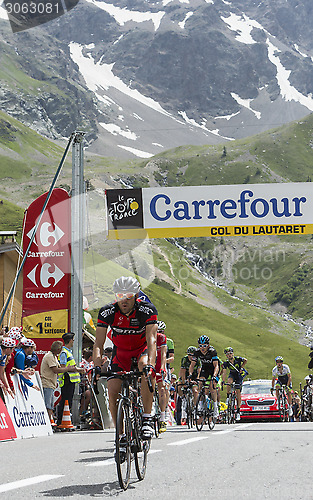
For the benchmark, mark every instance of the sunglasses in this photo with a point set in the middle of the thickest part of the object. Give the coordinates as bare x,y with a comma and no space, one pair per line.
204,345
277,362
128,295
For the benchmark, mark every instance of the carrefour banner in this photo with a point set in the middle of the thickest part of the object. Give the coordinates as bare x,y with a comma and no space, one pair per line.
255,209
27,410
47,270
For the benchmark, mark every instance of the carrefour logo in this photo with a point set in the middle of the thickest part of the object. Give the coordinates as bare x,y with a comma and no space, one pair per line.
162,208
47,235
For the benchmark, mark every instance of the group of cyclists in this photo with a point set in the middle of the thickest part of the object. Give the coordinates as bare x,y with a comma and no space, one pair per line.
131,323
203,366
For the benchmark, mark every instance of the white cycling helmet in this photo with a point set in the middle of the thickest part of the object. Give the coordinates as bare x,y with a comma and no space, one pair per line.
126,284
161,326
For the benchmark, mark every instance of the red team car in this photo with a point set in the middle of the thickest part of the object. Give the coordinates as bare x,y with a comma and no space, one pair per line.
257,401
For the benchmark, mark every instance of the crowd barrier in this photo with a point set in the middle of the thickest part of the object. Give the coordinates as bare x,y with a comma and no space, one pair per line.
26,412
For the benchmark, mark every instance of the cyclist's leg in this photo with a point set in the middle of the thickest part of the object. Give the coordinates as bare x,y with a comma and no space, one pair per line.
114,388
114,384
230,380
162,402
147,397
213,392
195,392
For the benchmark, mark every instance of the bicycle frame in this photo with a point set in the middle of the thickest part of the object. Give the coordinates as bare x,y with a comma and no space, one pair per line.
282,403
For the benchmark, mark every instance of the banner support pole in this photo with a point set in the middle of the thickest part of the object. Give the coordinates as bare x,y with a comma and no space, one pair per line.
77,248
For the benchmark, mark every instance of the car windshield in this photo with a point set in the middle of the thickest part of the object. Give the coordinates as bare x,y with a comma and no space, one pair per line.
256,389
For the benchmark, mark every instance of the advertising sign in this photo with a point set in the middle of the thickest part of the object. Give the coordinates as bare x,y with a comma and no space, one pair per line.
235,210
27,410
47,269
7,430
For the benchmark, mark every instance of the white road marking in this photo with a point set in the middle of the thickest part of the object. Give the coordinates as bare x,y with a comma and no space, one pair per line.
111,461
27,482
206,436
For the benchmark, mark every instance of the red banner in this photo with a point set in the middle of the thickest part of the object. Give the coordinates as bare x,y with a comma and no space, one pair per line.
47,270
7,430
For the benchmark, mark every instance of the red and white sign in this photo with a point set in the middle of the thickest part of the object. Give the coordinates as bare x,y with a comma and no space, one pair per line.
27,410
47,269
7,430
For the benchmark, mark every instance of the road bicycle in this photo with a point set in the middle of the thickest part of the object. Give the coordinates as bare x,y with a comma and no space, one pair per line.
282,403
204,410
307,402
129,446
187,403
232,399
232,404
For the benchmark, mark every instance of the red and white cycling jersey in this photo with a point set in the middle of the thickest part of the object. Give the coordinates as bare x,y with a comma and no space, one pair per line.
128,332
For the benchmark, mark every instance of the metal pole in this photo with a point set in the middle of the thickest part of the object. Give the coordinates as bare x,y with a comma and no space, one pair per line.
77,215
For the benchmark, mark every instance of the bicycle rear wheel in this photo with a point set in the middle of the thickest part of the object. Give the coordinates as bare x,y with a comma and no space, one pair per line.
200,411
156,416
123,444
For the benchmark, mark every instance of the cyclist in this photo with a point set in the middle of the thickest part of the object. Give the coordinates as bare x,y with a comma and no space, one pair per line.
185,373
161,374
235,365
210,367
282,375
169,360
133,332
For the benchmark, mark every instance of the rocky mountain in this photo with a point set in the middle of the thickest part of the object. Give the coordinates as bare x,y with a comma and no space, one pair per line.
142,77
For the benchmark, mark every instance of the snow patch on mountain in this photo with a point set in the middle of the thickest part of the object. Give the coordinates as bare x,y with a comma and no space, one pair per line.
192,122
245,103
124,15
100,77
288,92
3,13
182,23
116,130
136,152
243,26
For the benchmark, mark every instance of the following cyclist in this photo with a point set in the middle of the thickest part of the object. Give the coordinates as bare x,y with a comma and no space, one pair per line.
235,364
133,332
185,373
282,375
161,374
210,367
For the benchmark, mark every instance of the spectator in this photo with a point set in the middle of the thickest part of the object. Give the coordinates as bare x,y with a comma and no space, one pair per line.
84,386
6,348
106,358
49,369
27,348
67,381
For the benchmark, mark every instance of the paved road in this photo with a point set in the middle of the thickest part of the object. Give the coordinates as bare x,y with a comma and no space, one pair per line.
243,461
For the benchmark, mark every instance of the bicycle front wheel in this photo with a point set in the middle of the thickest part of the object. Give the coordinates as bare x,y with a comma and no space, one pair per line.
211,419
200,411
123,444
190,411
141,458
231,410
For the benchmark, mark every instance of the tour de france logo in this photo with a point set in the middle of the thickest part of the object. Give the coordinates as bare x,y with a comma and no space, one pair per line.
25,14
124,208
